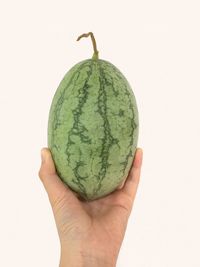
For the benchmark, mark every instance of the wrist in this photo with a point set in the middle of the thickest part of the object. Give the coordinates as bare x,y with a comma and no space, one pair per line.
84,259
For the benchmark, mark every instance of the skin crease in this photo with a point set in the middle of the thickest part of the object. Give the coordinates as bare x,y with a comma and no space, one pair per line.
91,233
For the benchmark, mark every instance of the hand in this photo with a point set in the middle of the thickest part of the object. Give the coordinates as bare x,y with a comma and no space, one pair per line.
91,233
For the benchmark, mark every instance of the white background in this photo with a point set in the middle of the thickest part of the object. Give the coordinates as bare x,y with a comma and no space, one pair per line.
156,44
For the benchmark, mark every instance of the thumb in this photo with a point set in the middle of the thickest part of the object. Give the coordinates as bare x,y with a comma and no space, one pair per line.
55,188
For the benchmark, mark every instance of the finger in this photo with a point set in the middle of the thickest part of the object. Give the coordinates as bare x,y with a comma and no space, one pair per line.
54,187
132,181
121,185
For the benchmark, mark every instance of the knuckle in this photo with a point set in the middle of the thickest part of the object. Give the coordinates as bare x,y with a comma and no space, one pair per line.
41,173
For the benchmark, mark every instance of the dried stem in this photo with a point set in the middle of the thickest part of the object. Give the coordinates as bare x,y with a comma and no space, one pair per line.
95,55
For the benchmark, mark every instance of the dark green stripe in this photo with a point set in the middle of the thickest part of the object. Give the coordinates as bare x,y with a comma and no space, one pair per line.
108,140
79,129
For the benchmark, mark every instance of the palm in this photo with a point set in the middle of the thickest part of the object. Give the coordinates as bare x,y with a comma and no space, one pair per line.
98,224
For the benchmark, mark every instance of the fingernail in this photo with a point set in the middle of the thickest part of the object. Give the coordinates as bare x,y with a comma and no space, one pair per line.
42,156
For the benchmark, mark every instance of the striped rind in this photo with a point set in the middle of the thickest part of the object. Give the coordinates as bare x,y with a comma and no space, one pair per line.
93,128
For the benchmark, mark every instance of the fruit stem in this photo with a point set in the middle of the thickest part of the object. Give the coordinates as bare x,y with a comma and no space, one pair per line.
96,52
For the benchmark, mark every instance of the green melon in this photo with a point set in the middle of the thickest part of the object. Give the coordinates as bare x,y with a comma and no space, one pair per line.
93,127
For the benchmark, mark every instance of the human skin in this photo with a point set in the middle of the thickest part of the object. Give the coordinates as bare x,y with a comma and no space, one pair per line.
90,232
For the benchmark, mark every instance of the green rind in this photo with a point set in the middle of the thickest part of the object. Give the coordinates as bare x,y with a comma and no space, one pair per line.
93,128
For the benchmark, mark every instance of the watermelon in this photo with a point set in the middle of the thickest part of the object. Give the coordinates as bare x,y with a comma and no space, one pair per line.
93,127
